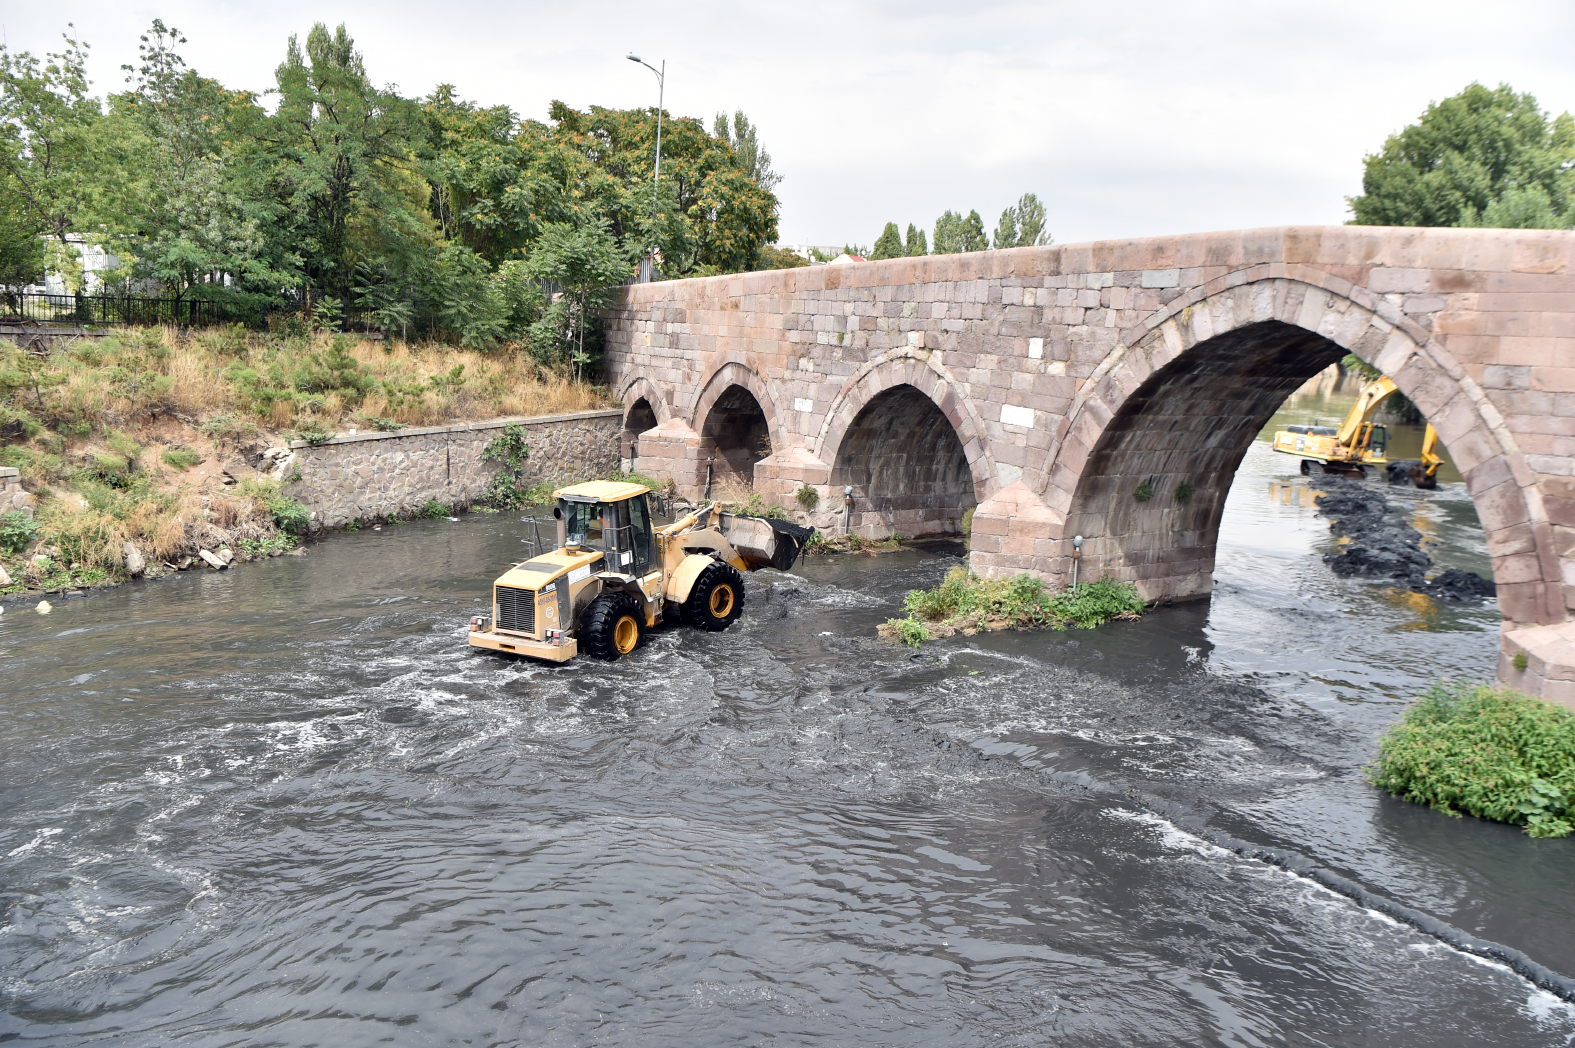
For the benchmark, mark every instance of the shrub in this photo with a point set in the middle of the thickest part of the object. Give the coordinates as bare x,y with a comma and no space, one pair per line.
1486,751
1143,492
434,510
17,532
314,435
910,631
508,489
180,458
1184,491
807,497
288,515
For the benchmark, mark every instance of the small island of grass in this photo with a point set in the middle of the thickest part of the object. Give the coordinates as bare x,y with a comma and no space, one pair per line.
966,603
1485,751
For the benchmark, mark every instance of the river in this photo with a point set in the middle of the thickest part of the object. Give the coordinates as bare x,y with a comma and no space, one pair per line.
287,805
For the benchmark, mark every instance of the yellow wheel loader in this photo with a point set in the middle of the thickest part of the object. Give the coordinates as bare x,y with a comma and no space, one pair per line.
1358,442
614,575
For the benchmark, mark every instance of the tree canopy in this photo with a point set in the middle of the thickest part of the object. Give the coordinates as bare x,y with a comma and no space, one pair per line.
1486,157
426,214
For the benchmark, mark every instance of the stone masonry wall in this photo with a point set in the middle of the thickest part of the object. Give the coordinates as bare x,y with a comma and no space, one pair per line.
368,476
1064,372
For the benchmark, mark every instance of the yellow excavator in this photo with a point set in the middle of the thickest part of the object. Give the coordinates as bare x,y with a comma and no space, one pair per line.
1359,442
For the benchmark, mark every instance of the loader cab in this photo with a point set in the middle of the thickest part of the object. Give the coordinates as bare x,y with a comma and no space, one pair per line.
613,518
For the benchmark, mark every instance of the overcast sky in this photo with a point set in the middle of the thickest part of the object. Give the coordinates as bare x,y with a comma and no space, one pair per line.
1128,119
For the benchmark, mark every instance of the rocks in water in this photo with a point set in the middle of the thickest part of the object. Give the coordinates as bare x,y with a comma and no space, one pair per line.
44,607
209,559
227,555
183,564
1384,546
135,563
5,578
1454,584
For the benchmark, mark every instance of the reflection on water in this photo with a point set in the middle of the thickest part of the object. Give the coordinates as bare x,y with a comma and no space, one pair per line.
287,805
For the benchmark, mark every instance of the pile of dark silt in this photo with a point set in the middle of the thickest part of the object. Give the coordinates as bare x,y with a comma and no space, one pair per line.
1383,546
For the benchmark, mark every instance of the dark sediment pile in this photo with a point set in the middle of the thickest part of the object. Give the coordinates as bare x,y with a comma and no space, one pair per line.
1383,546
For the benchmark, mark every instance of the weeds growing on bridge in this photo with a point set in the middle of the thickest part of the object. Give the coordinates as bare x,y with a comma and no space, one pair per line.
965,603
1485,751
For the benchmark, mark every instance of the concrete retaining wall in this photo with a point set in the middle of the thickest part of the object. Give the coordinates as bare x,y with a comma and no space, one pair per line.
368,476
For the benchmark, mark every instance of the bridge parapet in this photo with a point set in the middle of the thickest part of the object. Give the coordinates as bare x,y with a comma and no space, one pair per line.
1041,386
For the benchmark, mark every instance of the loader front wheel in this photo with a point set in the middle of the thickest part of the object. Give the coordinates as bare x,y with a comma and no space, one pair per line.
612,626
716,599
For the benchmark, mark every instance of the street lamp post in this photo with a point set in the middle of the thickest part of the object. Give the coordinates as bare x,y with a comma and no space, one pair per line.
661,91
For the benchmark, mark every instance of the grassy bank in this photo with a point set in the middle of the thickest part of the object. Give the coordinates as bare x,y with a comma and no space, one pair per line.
142,445
1487,751
965,603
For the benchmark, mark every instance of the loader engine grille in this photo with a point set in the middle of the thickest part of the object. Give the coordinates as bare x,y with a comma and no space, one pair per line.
516,609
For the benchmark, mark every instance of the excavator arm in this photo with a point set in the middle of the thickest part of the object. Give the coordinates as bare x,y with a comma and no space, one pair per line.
1368,401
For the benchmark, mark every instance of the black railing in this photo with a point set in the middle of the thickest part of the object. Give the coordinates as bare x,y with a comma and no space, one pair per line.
108,309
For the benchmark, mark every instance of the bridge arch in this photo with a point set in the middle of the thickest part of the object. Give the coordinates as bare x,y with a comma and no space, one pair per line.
1183,395
644,408
909,444
735,417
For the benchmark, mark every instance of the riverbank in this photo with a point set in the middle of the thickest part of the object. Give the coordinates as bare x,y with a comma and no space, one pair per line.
145,449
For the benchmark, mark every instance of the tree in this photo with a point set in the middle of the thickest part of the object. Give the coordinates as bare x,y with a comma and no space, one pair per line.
1031,231
51,129
343,150
586,262
744,140
1465,155
190,225
1022,225
916,244
888,244
973,235
1006,229
949,234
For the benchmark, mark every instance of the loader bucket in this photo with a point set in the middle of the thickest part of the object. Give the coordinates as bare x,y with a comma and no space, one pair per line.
763,541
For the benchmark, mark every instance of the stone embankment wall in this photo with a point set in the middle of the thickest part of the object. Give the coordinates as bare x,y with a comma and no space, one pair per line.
366,476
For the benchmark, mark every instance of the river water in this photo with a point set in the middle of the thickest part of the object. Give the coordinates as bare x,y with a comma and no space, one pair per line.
287,805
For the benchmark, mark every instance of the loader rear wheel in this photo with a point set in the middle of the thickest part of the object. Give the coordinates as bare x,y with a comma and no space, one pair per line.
716,598
612,626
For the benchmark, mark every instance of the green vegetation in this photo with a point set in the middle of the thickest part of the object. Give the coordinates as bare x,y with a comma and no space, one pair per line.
1485,751
508,489
820,543
180,458
1184,491
807,497
1485,157
966,603
434,510
955,234
435,216
17,531
1143,492
888,244
1023,225
754,506
288,515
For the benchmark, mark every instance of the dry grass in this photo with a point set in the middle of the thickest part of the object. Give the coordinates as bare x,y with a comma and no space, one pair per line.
96,415
138,374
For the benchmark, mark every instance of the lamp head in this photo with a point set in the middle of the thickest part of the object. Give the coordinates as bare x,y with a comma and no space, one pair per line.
1077,542
633,57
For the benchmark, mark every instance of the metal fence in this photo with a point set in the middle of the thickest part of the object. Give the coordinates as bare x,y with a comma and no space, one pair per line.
142,310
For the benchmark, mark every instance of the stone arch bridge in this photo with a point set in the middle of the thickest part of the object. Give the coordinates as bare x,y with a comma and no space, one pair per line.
1040,387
